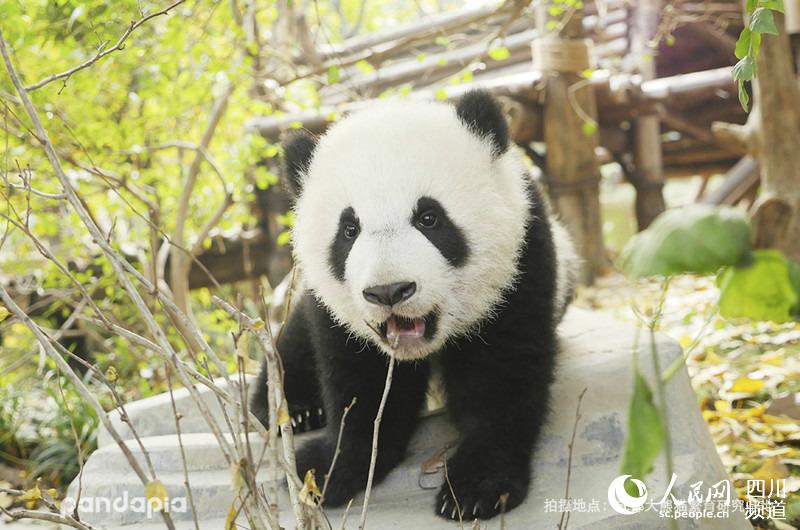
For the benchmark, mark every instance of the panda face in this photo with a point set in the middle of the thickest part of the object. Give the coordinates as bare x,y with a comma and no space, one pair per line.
409,223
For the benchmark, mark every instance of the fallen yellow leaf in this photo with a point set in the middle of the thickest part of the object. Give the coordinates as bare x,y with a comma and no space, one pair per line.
4,313
283,416
771,469
310,493
721,405
747,385
33,494
230,521
155,491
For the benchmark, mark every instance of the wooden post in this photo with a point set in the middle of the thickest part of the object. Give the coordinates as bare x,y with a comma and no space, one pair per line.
648,174
570,134
772,136
776,112
792,8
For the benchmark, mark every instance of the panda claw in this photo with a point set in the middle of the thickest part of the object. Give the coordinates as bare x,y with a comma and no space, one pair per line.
453,513
444,507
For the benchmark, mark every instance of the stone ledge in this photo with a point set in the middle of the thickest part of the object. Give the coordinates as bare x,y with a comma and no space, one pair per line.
596,355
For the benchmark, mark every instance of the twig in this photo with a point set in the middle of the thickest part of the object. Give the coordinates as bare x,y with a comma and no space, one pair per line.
180,263
102,52
452,491
183,450
277,402
44,341
346,513
562,524
213,221
338,446
375,434
38,515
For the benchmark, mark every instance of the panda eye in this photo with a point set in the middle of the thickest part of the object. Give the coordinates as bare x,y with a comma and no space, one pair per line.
428,219
350,231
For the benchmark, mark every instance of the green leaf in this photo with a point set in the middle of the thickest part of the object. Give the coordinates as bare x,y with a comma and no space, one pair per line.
284,238
589,127
365,67
794,279
441,94
744,69
743,43
763,21
761,290
697,238
744,97
499,53
775,5
755,47
645,431
333,74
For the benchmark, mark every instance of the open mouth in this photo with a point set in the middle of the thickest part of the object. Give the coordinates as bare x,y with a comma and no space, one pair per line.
406,331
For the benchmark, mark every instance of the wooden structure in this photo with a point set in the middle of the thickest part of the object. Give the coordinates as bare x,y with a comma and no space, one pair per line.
660,75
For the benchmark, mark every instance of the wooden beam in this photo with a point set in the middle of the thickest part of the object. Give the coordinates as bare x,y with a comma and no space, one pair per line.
571,168
648,172
738,183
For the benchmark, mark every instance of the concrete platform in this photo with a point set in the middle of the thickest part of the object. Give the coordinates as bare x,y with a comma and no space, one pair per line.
596,355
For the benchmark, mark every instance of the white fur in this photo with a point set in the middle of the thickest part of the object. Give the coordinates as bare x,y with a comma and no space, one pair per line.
380,161
567,266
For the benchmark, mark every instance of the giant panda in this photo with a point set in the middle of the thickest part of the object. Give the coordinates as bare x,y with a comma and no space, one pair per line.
420,236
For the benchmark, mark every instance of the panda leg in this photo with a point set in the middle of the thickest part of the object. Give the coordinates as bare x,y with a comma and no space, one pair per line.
362,375
498,401
299,376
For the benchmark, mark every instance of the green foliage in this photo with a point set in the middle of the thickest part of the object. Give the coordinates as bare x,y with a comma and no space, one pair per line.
762,21
697,238
760,290
499,53
55,454
646,434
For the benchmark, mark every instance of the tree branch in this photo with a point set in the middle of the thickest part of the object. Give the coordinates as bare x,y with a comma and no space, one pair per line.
102,52
375,434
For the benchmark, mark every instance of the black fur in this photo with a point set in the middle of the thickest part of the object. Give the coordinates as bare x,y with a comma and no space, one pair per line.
498,387
445,235
341,245
482,114
297,153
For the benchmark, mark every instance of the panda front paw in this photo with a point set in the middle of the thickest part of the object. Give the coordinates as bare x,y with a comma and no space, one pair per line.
470,494
345,481
306,418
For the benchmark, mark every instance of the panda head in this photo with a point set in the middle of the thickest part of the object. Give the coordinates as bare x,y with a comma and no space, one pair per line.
410,217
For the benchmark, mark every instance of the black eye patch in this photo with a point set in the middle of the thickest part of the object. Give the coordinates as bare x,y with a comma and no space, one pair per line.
346,234
431,219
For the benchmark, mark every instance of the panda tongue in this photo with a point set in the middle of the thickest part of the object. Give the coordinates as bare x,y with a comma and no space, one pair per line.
403,327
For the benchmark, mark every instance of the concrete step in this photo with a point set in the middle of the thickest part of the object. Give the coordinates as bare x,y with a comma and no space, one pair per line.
596,355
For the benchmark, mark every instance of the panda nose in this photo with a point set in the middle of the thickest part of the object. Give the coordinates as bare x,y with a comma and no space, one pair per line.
389,294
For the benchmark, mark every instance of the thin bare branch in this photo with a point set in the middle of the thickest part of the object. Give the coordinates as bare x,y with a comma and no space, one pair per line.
338,446
103,52
375,433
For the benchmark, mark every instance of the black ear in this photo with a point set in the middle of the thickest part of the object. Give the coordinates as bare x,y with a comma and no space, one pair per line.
297,153
482,113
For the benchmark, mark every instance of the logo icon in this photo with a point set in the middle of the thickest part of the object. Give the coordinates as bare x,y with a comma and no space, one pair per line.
621,501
